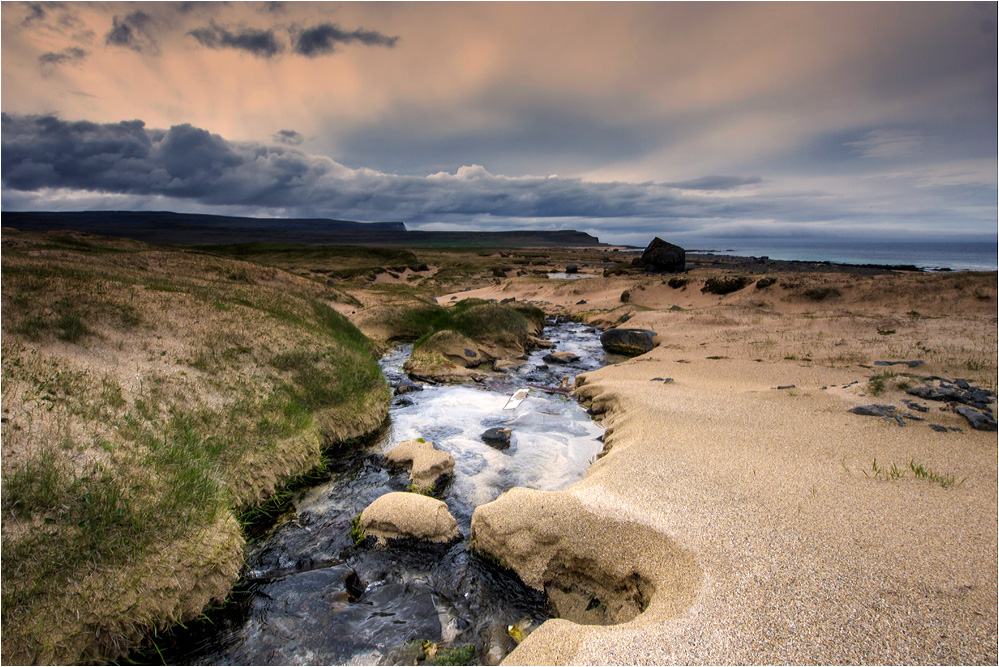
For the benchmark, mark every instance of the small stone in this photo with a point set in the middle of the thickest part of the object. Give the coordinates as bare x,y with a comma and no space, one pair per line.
398,514
427,463
938,428
873,410
499,438
560,358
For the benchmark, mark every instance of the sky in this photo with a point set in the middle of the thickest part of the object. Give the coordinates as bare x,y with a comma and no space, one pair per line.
625,120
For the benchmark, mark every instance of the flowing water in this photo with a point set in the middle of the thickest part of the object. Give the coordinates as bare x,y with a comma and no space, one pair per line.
310,595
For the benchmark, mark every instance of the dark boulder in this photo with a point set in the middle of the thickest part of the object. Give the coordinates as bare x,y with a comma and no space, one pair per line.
630,342
498,438
560,358
980,421
405,385
663,256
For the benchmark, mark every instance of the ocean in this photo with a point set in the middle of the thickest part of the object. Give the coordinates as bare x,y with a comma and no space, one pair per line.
955,255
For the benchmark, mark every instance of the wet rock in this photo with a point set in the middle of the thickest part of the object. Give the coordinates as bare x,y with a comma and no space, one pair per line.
399,515
427,464
560,358
504,366
912,405
940,429
630,342
498,438
945,390
873,410
980,421
786,386
539,343
662,256
404,402
572,268
405,386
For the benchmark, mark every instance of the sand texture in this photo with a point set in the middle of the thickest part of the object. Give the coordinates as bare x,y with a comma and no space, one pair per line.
730,521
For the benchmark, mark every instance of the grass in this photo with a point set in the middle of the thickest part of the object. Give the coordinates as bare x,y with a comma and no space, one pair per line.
104,471
357,530
893,473
878,384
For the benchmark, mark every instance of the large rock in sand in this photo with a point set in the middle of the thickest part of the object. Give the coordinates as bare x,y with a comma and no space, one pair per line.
396,515
426,463
630,342
663,256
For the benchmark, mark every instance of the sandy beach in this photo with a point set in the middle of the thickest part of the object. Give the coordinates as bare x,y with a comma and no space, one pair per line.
738,515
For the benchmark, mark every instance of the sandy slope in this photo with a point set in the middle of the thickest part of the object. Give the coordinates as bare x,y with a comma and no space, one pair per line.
746,520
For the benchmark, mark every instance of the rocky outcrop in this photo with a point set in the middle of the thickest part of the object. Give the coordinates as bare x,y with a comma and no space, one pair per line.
630,342
426,463
400,515
662,256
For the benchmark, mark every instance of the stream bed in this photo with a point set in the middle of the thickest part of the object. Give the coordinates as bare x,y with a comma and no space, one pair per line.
310,595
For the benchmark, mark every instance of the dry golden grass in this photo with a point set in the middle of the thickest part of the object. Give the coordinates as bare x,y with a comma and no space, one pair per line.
149,395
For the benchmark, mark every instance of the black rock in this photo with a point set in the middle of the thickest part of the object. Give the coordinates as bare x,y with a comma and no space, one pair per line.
980,421
572,268
873,410
404,386
630,342
910,364
508,300
663,256
498,438
912,405
939,429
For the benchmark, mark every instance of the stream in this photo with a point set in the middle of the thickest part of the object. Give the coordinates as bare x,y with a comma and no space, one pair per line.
310,595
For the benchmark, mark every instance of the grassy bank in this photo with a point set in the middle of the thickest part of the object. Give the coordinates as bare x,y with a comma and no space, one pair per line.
148,396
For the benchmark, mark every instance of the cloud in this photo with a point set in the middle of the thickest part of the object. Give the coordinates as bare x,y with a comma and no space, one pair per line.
716,182
69,55
260,43
322,39
288,137
46,159
888,143
132,32
36,12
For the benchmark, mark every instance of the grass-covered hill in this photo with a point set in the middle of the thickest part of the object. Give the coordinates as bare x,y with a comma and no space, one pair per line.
150,396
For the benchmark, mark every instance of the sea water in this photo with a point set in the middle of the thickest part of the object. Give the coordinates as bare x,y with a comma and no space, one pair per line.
956,255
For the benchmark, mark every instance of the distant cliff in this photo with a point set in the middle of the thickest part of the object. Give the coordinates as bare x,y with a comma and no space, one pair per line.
199,229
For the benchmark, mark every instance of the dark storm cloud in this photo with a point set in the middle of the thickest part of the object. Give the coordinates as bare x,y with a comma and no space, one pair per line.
260,43
186,162
189,167
68,55
132,32
322,39
289,137
36,12
716,182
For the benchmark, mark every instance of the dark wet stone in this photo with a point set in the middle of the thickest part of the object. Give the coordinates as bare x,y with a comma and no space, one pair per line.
912,405
980,421
572,268
662,256
873,410
498,438
630,342
560,358
939,429
786,386
910,364
405,385
404,402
